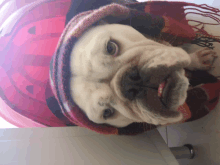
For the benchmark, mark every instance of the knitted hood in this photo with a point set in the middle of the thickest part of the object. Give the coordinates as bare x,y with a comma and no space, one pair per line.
156,19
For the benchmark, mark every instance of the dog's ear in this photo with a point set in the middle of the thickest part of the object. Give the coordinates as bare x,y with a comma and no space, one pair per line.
84,5
78,6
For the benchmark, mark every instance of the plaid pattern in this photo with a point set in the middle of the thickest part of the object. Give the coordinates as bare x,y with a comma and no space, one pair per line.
145,21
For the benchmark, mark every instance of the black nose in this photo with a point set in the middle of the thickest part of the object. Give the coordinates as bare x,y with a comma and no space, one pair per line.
132,84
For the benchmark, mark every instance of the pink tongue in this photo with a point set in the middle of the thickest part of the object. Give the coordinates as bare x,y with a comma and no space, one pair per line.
160,88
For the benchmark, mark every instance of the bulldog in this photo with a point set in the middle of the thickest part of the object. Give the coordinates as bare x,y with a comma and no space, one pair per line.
121,76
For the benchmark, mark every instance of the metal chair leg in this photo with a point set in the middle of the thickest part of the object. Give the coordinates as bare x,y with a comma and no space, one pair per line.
185,152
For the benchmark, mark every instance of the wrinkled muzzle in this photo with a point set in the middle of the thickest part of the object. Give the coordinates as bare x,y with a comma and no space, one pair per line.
152,71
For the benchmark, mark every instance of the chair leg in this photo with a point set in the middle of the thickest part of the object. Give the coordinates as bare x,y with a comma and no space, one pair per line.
185,152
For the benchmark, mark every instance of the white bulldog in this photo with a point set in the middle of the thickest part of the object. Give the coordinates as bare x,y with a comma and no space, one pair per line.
122,76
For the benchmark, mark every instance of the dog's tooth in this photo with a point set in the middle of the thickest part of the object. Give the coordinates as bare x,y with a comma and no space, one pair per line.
160,91
160,88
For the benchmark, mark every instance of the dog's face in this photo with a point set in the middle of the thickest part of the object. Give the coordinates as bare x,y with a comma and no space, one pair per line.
117,72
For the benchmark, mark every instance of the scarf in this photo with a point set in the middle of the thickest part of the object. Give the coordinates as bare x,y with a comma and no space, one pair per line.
162,20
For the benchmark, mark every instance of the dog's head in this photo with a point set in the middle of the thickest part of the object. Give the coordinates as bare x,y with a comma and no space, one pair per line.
119,73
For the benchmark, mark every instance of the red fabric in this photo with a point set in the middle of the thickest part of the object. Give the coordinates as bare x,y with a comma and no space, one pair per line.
213,91
175,24
25,56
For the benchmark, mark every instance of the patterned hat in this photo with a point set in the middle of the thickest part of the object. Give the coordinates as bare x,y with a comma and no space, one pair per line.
138,15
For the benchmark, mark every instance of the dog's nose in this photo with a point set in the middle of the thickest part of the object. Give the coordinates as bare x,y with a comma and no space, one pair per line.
132,84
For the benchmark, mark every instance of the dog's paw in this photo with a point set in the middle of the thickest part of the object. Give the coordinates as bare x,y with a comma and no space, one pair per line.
203,59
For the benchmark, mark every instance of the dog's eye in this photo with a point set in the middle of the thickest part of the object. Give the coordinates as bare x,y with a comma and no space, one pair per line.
112,48
108,113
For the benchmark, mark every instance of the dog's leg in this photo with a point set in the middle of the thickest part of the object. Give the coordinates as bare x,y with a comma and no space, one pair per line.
202,59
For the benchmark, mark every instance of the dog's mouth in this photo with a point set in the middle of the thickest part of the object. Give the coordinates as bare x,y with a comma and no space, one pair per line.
169,91
163,90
